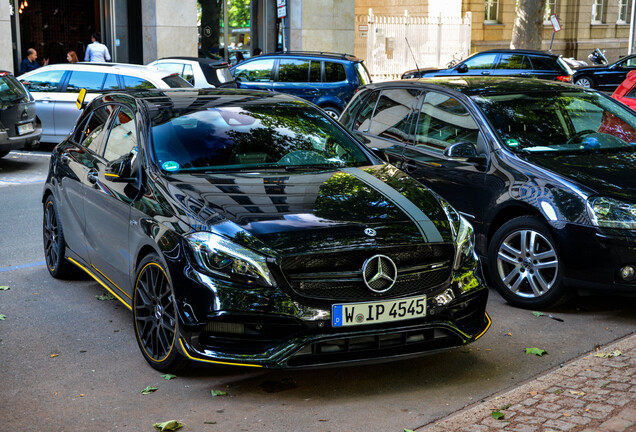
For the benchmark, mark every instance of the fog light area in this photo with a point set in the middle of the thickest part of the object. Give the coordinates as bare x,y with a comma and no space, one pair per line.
628,272
444,298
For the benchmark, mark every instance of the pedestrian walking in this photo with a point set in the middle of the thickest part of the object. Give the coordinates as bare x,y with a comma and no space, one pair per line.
96,51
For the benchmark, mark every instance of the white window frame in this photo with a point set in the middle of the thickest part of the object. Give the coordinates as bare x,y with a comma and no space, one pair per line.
550,9
490,4
598,11
624,11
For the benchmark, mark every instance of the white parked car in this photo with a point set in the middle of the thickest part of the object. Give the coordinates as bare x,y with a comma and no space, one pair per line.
200,72
55,89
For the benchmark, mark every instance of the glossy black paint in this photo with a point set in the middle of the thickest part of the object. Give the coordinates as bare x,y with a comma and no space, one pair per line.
606,77
111,224
504,184
17,109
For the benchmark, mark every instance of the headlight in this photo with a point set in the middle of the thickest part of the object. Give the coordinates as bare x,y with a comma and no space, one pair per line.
464,235
219,256
612,213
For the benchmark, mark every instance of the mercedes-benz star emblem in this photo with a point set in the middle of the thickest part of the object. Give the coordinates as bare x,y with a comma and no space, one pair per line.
370,232
379,273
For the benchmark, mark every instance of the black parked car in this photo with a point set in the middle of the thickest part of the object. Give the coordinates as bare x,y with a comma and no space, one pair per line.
19,127
546,173
249,228
503,62
606,77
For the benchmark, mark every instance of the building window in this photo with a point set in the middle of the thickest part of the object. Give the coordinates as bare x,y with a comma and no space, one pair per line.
624,11
550,9
492,12
598,12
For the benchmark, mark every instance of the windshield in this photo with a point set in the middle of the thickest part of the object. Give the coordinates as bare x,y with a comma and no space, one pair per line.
289,135
568,121
11,90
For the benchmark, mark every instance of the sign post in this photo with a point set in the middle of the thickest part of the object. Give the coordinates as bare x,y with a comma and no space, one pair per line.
556,27
281,11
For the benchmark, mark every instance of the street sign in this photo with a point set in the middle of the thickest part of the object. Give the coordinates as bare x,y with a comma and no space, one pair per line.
280,3
282,12
556,25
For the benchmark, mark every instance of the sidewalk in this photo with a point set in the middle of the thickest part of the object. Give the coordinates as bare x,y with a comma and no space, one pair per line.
588,394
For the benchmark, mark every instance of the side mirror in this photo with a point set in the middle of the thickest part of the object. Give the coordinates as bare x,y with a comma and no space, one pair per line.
120,170
80,99
462,68
464,152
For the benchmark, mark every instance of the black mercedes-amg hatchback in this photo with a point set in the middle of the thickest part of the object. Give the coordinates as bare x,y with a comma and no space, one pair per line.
249,228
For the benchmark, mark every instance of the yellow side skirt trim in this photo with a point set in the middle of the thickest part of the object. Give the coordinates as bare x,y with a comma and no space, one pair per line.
487,327
100,282
183,348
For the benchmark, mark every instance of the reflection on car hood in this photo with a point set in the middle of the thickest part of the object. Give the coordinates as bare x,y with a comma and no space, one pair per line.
423,71
299,212
608,173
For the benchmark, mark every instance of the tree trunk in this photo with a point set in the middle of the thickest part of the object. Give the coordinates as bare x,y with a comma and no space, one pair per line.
528,29
210,25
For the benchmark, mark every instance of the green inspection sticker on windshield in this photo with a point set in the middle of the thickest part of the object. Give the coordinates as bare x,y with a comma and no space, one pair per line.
512,142
170,166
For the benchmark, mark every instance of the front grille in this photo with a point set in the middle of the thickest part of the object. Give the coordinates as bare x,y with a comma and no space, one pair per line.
338,276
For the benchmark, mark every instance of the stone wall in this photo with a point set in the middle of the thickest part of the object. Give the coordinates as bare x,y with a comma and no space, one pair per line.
322,25
169,28
6,47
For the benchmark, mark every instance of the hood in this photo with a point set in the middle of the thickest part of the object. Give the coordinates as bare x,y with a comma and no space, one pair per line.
290,212
603,173
422,71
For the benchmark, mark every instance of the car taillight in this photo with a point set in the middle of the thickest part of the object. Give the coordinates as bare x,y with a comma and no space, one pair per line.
565,78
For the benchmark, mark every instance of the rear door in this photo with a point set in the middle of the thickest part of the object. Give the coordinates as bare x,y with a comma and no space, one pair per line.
66,112
293,78
510,64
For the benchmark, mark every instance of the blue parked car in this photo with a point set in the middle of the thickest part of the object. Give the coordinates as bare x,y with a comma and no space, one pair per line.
328,80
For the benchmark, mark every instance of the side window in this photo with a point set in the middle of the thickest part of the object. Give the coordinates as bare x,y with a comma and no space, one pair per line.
293,70
45,81
392,116
544,63
171,67
362,109
335,72
315,74
85,79
188,74
94,128
111,82
629,63
443,121
513,61
131,82
482,61
122,139
255,71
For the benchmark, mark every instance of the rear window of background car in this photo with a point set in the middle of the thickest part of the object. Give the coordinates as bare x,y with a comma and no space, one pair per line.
513,61
10,90
85,79
131,82
544,63
334,72
45,81
293,70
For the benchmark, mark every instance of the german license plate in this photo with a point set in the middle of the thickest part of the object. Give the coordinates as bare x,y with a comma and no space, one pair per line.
351,314
25,128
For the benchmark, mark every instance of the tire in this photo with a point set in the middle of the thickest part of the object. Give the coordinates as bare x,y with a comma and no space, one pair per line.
584,81
524,264
54,245
155,316
332,111
3,153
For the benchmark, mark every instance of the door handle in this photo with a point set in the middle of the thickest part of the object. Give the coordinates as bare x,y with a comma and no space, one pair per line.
485,73
92,176
65,158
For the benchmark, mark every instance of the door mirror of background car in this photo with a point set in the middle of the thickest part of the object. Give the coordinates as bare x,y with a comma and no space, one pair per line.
462,68
464,152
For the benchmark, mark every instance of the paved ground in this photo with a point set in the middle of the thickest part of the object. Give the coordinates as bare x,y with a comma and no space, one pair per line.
596,392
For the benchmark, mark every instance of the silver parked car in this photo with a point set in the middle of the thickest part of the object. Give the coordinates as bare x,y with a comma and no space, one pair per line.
55,89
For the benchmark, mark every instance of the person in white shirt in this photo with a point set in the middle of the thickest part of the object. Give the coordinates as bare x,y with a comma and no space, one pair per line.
96,51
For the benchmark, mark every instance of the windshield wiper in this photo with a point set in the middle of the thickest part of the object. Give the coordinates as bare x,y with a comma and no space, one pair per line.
312,166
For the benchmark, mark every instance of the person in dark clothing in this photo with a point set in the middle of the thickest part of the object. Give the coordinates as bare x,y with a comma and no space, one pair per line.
30,62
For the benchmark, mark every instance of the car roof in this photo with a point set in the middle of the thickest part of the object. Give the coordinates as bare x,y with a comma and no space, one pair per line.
122,68
200,60
317,54
518,51
477,85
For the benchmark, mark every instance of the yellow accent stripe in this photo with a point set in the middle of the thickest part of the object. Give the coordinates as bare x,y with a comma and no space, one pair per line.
110,175
213,361
486,329
108,279
100,282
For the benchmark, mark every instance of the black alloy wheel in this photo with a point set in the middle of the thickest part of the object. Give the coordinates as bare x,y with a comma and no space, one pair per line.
54,244
524,264
155,315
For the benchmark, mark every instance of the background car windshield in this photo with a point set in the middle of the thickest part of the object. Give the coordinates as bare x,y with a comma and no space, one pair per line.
276,135
10,90
559,122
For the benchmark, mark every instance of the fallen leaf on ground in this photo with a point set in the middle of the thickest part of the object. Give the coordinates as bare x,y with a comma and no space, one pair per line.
4,288
168,376
509,334
149,389
2,317
614,353
497,415
215,393
577,393
536,351
54,355
408,430
105,296
170,425
538,314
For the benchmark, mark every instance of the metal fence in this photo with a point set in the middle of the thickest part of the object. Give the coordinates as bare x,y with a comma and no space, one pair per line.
383,42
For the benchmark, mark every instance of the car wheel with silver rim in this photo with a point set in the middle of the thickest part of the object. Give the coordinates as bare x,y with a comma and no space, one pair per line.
524,264
584,82
332,111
